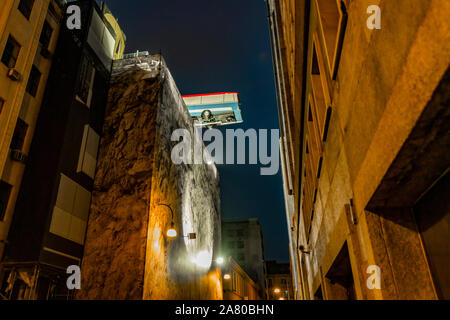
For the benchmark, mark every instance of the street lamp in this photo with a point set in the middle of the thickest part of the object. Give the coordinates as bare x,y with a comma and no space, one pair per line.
171,232
227,276
220,260
276,290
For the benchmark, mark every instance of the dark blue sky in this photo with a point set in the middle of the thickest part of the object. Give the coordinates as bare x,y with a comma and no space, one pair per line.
215,46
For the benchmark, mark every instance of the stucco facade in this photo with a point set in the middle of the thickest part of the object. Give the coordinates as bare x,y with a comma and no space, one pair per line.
365,115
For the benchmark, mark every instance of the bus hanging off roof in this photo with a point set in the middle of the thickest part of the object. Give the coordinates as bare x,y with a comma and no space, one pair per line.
214,109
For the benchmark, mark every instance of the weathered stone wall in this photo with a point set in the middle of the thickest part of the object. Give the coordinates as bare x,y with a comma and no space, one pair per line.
192,191
127,254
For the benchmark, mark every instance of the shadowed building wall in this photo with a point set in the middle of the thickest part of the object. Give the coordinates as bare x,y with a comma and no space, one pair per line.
127,253
366,118
28,40
53,200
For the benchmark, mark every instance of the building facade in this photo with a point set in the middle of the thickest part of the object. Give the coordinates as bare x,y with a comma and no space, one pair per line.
52,206
279,281
237,284
243,240
28,37
140,194
365,145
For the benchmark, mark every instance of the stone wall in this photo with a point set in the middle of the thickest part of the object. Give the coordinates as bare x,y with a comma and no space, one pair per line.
127,253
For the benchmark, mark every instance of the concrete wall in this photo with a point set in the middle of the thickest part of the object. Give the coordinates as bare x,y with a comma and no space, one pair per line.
127,254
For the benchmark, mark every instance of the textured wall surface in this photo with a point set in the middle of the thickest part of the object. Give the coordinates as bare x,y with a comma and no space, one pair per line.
380,115
127,254
192,191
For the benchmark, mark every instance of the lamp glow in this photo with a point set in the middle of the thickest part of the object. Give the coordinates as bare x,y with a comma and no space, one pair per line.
227,277
219,260
276,290
202,259
171,233
281,298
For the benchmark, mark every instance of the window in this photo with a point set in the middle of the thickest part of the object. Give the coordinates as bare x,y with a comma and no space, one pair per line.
240,233
230,245
333,22
320,92
318,295
11,53
433,221
340,277
20,133
46,35
119,45
33,81
2,103
5,191
85,81
87,160
240,244
26,6
71,210
283,281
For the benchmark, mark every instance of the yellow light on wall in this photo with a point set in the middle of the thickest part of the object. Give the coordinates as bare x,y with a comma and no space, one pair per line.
227,277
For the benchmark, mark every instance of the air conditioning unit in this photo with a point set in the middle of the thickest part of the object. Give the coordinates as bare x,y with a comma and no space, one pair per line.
18,155
45,53
13,74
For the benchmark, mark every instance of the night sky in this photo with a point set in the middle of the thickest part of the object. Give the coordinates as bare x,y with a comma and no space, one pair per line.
217,46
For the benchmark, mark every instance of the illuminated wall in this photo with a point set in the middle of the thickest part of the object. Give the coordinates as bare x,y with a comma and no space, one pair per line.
127,253
119,46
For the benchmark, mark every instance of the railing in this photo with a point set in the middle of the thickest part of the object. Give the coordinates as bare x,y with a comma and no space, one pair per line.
135,54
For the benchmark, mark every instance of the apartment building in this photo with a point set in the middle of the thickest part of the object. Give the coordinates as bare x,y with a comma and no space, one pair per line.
279,281
28,36
365,145
243,241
